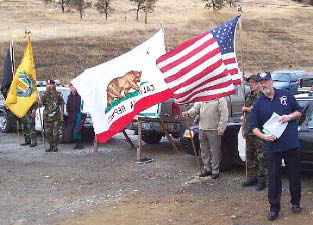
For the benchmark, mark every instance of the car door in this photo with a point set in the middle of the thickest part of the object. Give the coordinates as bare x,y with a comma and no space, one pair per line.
306,135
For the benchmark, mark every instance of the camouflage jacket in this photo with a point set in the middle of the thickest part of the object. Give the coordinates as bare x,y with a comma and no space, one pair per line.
250,99
52,100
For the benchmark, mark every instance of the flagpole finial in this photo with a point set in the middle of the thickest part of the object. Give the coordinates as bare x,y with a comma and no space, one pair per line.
27,32
239,9
161,24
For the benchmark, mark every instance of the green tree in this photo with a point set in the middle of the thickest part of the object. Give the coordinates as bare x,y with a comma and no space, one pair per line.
80,6
104,7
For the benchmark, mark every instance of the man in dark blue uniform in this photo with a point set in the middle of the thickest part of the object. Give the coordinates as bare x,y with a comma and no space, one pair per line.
285,147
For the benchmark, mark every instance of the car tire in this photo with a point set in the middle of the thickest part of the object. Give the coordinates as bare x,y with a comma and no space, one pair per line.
151,137
229,152
4,123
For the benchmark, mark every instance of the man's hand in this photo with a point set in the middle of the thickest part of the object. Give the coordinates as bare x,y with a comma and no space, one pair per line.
285,118
33,113
269,138
246,109
243,133
185,114
220,133
61,118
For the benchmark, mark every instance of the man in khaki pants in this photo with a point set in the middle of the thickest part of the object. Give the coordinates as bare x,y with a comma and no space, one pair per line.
212,124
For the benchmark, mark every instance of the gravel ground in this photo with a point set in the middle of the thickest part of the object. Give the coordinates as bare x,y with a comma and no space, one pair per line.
108,187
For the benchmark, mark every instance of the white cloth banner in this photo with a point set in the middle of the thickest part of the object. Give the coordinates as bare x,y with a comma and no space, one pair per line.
115,91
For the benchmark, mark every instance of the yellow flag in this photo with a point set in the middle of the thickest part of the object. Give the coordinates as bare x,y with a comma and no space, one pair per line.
23,90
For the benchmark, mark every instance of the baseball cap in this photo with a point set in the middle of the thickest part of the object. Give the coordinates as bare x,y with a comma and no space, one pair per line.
252,77
264,76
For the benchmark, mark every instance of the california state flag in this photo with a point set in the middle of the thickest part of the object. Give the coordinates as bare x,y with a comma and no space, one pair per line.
115,91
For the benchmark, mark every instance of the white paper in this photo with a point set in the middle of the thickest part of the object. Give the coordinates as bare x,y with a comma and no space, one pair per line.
274,127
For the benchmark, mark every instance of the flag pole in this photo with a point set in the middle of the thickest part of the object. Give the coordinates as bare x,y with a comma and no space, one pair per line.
239,11
187,120
17,120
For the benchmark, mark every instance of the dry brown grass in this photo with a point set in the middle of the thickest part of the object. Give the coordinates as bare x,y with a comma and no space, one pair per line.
273,36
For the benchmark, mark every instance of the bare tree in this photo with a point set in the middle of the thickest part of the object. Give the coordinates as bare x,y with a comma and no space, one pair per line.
215,4
149,8
104,7
145,5
62,3
80,6
140,6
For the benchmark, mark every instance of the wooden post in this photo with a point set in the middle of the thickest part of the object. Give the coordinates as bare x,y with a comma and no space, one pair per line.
193,144
18,133
42,128
128,139
170,139
95,144
139,139
239,11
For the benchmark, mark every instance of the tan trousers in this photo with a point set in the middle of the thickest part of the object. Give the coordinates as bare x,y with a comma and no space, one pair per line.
210,144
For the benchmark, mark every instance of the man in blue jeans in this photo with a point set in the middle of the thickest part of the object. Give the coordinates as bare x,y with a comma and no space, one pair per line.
285,147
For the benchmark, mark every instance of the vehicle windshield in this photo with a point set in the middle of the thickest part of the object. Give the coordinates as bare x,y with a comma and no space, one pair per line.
281,77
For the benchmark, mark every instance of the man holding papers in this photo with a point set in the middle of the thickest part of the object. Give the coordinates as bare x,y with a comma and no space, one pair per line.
284,147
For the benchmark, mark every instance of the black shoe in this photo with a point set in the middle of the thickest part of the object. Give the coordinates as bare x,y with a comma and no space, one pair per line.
48,150
205,173
33,145
55,149
215,176
78,146
249,182
296,209
260,186
272,215
26,143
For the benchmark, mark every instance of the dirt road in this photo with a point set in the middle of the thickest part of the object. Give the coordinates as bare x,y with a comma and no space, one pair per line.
79,187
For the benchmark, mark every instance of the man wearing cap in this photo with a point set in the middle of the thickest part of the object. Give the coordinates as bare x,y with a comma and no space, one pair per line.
53,102
285,147
256,163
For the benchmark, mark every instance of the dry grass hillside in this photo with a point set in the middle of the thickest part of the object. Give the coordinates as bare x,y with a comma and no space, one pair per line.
275,33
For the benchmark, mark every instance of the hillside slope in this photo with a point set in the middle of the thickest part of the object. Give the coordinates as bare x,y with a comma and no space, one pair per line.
275,33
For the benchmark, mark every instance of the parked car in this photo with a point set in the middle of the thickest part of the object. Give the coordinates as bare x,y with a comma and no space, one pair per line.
170,113
286,79
233,148
306,84
8,120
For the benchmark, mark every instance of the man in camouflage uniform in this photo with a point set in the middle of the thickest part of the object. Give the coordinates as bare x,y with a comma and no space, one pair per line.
28,123
53,102
255,157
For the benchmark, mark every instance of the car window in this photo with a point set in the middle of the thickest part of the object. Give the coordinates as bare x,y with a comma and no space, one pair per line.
307,118
293,78
282,77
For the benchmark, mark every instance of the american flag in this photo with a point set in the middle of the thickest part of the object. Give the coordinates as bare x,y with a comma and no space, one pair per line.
203,68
